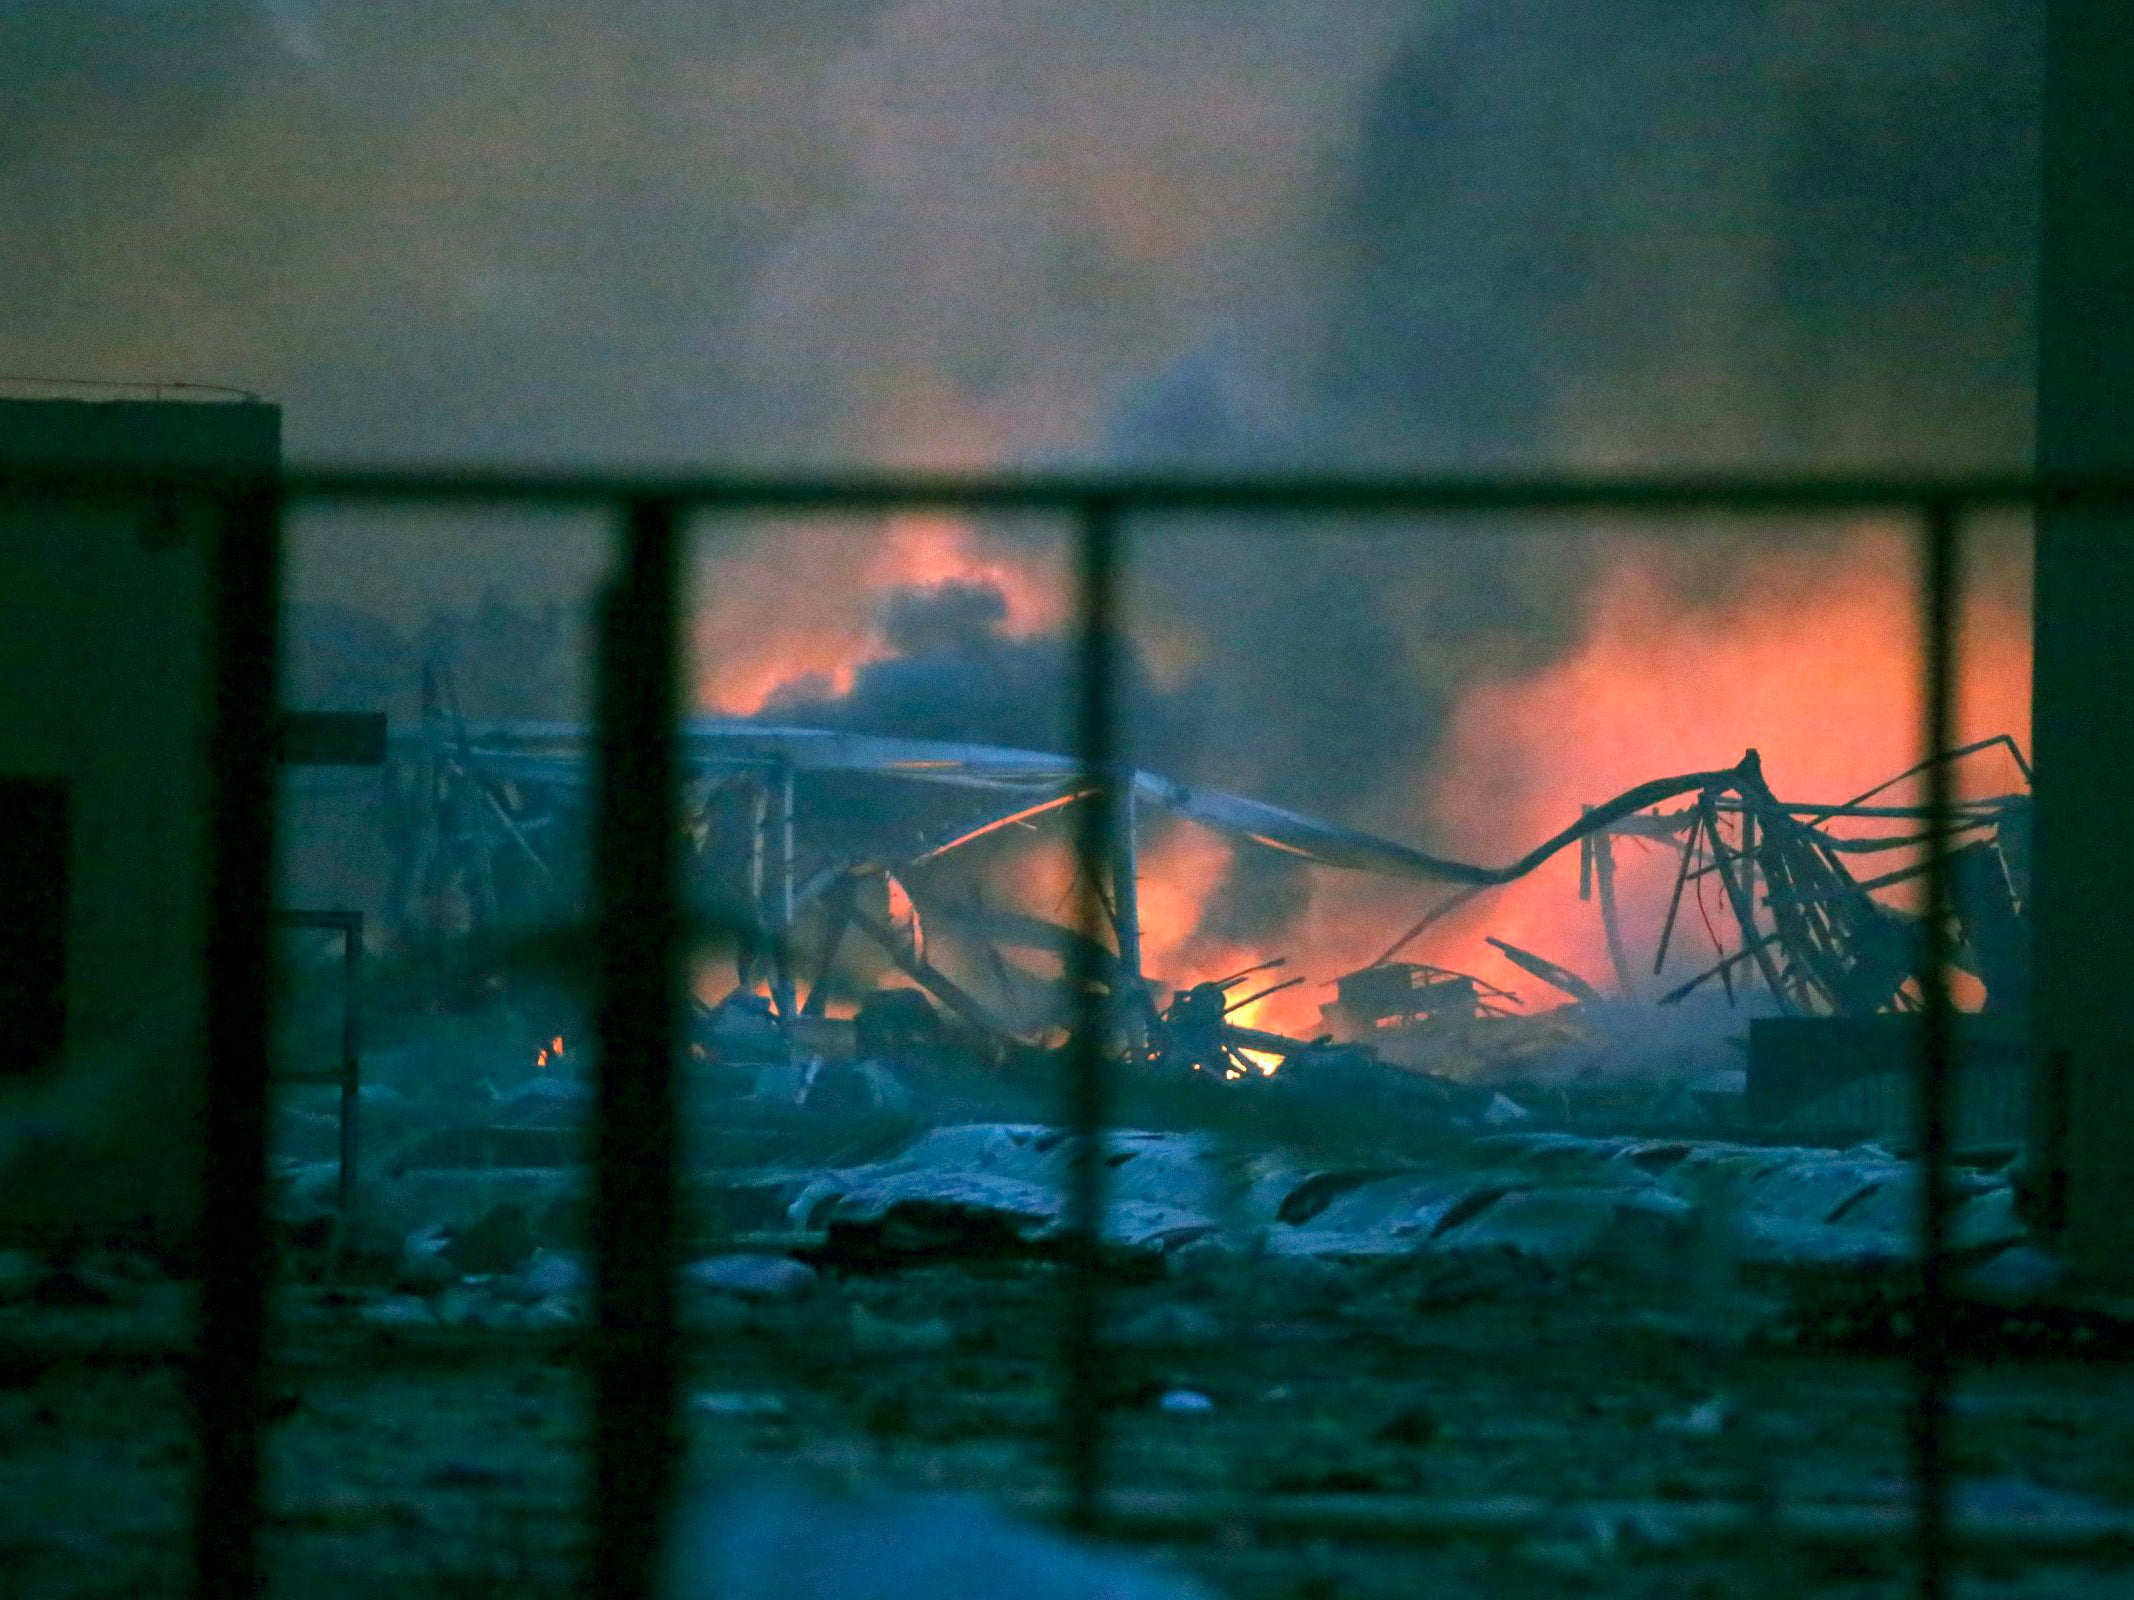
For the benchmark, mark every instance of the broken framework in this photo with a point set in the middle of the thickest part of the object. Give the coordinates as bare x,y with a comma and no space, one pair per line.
1815,934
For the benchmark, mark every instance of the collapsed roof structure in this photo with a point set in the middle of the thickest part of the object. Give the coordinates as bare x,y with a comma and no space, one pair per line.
1818,938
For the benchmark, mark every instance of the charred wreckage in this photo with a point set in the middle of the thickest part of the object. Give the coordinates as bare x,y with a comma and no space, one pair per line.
1810,942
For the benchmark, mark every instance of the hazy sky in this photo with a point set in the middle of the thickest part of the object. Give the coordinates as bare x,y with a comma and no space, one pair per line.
971,230
1226,232
1445,233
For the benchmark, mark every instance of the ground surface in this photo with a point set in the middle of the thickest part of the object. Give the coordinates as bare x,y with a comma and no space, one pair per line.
432,1461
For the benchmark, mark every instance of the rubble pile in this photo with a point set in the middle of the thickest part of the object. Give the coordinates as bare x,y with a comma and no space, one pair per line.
1179,1202
869,926
1559,1198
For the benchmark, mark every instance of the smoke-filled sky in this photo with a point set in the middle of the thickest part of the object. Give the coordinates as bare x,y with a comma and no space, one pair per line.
1238,233
975,230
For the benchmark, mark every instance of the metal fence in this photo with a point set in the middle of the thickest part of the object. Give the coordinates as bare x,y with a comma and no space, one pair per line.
346,1074
639,926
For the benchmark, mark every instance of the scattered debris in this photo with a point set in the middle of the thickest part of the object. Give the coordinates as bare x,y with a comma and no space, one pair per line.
2018,1275
1556,977
1184,1403
426,1264
1707,1419
1565,1200
884,1336
749,1406
1570,1227
750,1277
1818,939
501,1240
561,1311
766,1543
547,1274
398,1311
1170,1326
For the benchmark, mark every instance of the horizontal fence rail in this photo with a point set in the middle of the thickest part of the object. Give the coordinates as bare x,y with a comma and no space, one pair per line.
635,1358
1068,494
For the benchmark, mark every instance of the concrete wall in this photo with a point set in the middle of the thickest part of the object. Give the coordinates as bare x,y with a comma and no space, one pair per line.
104,661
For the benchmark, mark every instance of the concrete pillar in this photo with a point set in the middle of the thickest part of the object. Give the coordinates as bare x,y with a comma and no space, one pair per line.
2083,885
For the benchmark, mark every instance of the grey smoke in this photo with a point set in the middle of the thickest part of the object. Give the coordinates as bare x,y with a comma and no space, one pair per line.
1158,233
951,671
1624,232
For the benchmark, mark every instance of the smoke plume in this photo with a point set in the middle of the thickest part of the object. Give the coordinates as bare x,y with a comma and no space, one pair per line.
1226,234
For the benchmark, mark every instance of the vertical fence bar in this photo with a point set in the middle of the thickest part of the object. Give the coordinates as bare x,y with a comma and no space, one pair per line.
1082,1387
637,961
227,1378
351,1065
1933,1355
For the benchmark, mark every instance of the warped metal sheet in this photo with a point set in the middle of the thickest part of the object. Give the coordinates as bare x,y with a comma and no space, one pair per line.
557,753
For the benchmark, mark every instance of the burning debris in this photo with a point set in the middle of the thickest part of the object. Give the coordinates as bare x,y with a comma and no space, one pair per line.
872,1057
1395,994
842,858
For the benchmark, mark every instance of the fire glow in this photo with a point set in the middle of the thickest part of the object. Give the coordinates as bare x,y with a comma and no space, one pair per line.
1811,657
1816,664
755,645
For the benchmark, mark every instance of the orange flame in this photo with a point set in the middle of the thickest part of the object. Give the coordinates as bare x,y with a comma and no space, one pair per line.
1816,664
1814,661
